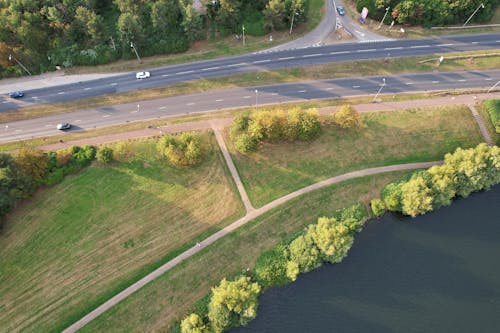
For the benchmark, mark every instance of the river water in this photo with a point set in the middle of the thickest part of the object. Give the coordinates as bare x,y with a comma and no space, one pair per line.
435,273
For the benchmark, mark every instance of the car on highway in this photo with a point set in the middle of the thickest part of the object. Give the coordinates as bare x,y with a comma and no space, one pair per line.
16,94
340,10
142,75
63,126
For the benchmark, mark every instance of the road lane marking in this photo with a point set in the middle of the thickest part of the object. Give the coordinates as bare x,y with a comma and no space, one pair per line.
189,104
247,96
274,94
113,84
165,75
409,83
435,81
18,130
236,65
135,111
355,87
393,48
302,91
474,42
488,79
329,88
312,55
219,100
462,80
286,58
87,88
6,102
261,61
418,46
367,50
78,121
339,52
61,93
162,108
48,125
440,45
210,68
182,73
108,115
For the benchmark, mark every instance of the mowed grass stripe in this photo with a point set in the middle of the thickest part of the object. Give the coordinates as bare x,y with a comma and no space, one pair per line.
159,304
386,138
76,243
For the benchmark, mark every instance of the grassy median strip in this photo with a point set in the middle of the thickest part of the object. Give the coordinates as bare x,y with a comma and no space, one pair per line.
76,244
388,66
386,138
159,304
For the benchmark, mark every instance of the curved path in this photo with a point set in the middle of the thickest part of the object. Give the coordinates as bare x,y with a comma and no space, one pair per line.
251,214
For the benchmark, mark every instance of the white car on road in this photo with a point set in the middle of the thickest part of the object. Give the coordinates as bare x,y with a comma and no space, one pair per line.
142,75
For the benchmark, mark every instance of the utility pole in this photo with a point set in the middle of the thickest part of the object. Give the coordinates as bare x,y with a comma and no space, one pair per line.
136,54
293,16
383,19
480,6
378,92
243,28
19,63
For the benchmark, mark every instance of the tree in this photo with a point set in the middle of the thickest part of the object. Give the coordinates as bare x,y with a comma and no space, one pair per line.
271,267
233,302
378,207
332,238
193,324
443,186
33,163
192,22
304,253
391,195
229,13
105,155
347,117
275,14
416,196
129,28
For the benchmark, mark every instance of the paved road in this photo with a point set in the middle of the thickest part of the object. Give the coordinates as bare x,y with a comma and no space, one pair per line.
244,97
252,63
247,218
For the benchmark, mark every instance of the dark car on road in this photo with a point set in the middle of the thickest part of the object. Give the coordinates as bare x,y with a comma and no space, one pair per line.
340,10
16,94
63,126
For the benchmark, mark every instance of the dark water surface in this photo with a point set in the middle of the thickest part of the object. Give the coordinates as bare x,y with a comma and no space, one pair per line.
435,273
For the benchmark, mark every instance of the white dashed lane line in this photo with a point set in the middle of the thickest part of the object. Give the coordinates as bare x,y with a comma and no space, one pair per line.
409,83
488,79
88,88
355,87
162,108
165,75
274,94
418,46
107,115
329,88
302,91
113,84
61,93
260,61
182,73
286,58
435,81
189,104
462,80
441,45
78,121
6,102
219,100
312,55
210,68
339,52
368,50
247,96
393,48
237,65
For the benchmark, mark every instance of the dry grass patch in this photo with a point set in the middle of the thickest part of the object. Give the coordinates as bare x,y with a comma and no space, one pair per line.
386,138
76,244
170,297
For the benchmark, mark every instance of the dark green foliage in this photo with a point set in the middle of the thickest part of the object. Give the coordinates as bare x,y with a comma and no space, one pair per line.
493,108
105,155
270,267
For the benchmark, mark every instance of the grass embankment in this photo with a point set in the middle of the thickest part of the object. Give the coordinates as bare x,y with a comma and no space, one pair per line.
386,138
472,61
171,296
76,244
483,111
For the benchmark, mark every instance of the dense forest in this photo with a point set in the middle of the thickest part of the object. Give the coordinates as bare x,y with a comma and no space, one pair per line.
42,34
429,12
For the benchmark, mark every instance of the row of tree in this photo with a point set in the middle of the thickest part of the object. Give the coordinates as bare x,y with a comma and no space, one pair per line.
429,12
234,303
42,34
463,172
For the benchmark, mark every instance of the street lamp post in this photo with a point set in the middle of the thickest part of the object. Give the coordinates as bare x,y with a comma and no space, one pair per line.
256,97
243,28
383,19
19,63
480,6
293,16
136,54
378,92
493,87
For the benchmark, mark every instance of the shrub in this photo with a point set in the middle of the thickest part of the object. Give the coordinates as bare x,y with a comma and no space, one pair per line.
33,163
493,108
347,117
184,149
245,143
304,253
271,267
378,207
105,155
193,324
332,238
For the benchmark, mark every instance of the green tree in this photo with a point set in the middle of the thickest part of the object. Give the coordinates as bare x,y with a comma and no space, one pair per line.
129,28
193,324
416,196
192,23
33,163
304,252
233,302
391,195
378,207
332,238
105,155
443,185
347,117
271,267
275,14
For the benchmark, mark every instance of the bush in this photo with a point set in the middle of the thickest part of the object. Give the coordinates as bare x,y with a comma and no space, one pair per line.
34,163
332,238
105,155
493,108
347,117
378,207
184,149
271,267
305,254
245,143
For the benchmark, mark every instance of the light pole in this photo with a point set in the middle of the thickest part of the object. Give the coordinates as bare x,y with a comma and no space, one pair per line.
383,19
378,92
12,57
243,28
480,6
293,16
493,87
256,97
136,54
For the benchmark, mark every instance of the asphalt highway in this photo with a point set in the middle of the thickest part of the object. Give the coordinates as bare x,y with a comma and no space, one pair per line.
255,62
244,97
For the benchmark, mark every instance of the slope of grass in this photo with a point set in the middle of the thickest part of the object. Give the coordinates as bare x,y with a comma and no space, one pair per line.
74,245
386,138
156,306
485,114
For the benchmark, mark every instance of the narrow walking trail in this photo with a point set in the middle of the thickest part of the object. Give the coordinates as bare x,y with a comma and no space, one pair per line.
247,218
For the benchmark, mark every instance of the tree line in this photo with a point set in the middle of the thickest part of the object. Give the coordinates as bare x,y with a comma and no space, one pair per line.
43,34
429,13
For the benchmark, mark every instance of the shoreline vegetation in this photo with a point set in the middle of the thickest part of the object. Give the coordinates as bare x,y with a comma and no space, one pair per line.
329,240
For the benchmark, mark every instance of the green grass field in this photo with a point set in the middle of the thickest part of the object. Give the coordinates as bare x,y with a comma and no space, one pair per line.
386,138
495,137
171,296
76,244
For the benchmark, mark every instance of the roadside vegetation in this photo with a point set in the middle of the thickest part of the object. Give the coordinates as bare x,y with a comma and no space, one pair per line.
385,138
157,306
74,245
490,112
